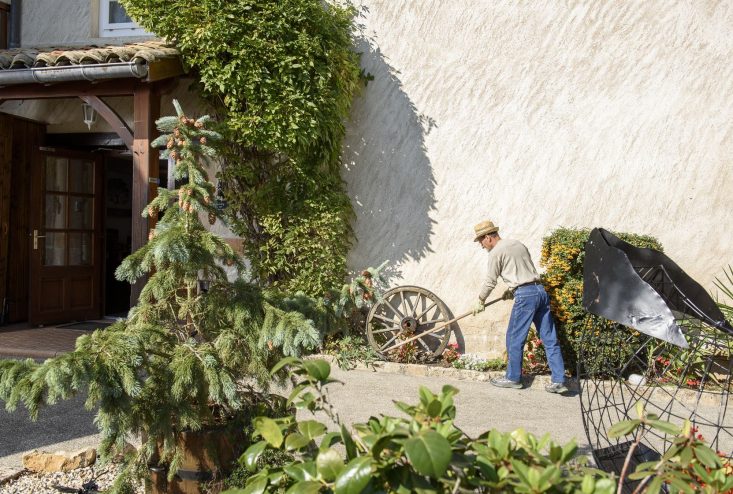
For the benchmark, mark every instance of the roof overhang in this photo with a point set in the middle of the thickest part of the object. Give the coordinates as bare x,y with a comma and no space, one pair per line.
147,62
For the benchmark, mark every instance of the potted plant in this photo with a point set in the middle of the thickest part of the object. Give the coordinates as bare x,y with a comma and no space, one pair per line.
177,365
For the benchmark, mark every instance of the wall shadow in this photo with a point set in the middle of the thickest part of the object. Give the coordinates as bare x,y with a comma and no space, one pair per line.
388,174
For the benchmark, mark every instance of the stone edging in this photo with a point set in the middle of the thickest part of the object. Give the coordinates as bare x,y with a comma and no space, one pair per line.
423,370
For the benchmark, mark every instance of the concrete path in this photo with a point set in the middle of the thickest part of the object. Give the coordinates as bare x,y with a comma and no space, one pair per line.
364,393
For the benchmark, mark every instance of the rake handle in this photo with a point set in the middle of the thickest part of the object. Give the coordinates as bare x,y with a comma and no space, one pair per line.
438,328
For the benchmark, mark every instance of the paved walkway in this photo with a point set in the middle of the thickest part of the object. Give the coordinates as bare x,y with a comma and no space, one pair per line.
22,340
363,393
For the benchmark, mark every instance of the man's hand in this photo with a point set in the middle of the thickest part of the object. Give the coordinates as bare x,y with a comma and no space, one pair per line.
508,295
479,307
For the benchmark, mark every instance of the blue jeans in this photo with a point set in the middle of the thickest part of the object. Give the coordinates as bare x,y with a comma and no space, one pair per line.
531,304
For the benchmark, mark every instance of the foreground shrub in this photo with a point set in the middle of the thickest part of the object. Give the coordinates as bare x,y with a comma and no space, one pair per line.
425,452
562,257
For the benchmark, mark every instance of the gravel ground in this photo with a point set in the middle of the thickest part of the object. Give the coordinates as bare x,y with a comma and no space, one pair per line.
31,483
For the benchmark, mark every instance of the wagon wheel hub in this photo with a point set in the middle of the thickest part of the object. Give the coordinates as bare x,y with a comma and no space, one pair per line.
409,324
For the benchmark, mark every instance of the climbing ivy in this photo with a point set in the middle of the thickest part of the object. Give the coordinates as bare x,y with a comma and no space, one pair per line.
281,74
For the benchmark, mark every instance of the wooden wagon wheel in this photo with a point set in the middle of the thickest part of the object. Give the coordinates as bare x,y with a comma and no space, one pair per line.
409,312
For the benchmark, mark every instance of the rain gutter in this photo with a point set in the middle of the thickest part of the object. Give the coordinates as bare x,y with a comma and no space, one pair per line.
67,73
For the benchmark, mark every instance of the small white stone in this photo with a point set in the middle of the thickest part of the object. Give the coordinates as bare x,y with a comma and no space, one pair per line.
637,380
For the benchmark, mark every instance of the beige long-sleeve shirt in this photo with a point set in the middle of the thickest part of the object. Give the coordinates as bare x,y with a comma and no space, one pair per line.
509,259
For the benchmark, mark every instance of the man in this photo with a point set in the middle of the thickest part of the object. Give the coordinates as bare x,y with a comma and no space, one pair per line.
510,259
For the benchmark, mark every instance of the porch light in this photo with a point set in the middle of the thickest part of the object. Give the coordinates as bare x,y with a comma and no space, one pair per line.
90,116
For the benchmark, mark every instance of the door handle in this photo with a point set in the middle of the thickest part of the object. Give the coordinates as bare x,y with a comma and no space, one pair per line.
36,236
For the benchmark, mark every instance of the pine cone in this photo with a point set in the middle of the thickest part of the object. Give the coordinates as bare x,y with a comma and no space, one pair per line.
212,218
177,132
182,118
173,155
207,199
151,211
189,192
151,235
199,125
181,142
169,144
203,140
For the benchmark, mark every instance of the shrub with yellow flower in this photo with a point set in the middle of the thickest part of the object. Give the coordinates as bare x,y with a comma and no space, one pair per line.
562,256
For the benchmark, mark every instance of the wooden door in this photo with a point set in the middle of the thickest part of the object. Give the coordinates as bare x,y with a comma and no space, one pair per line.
66,237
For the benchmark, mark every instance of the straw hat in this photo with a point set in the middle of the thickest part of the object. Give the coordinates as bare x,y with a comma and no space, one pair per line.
484,228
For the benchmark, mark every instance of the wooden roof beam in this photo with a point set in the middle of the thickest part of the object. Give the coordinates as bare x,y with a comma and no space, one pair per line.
111,117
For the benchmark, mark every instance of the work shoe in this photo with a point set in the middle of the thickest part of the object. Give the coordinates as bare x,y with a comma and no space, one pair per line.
558,388
503,382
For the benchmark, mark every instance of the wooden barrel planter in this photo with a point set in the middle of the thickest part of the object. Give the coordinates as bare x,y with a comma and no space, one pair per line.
208,454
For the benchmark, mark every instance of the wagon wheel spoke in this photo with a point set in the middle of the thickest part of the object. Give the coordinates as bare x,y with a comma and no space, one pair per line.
384,347
378,331
433,321
385,319
402,302
412,306
433,335
425,345
393,309
426,310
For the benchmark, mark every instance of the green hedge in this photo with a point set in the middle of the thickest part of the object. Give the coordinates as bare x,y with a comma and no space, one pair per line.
563,253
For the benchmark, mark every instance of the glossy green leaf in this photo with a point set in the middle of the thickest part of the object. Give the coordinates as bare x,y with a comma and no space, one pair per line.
623,428
329,464
355,476
707,456
296,441
317,369
256,487
329,439
284,362
301,472
311,428
252,455
589,484
349,443
434,408
429,452
306,487
664,426
269,430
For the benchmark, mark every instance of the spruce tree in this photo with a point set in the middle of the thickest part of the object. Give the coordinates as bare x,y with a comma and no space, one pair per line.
187,354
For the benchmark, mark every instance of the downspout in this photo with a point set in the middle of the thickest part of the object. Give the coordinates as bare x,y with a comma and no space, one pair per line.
16,12
67,73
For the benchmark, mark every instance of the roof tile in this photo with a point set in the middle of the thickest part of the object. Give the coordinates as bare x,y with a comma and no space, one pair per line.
28,58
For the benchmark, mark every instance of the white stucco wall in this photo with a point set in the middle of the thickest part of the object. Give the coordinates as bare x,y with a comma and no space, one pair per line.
538,115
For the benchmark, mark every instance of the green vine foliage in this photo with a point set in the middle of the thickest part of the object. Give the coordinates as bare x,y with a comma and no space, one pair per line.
563,253
178,361
283,75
